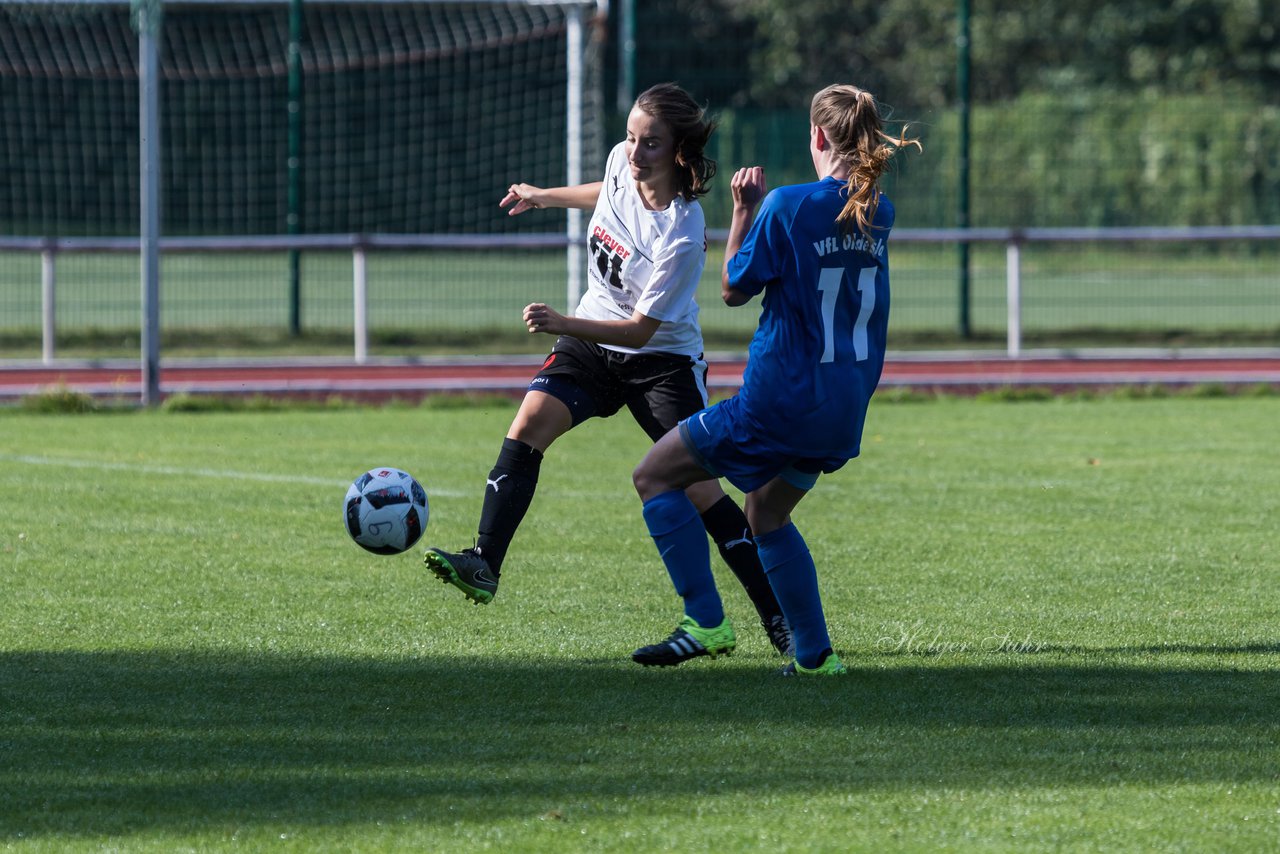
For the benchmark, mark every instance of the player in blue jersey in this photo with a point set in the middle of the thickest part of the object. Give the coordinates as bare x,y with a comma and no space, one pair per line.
634,340
819,253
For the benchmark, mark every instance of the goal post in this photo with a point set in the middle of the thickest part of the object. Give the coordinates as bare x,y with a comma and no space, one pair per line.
405,117
412,113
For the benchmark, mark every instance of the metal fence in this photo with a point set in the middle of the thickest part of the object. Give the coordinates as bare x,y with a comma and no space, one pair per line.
1221,281
1105,210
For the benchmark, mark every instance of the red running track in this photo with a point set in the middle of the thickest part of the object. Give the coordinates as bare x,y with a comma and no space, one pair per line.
410,379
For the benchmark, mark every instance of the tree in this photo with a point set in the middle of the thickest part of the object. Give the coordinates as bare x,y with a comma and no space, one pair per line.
771,53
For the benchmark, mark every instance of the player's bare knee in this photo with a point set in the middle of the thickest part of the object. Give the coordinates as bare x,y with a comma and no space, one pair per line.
643,480
762,518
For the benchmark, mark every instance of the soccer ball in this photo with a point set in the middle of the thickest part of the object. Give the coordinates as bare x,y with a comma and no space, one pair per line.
385,510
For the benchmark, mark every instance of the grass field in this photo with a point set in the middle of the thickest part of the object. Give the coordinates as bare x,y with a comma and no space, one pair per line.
423,301
1061,618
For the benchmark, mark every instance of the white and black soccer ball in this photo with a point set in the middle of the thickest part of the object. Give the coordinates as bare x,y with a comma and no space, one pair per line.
385,510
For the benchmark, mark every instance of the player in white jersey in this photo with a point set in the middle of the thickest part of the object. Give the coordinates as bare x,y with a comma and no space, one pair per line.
642,260
633,341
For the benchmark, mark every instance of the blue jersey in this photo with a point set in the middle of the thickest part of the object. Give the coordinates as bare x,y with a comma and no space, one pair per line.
817,355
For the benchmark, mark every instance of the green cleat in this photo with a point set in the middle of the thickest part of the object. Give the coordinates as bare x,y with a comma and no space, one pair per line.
832,666
466,570
689,640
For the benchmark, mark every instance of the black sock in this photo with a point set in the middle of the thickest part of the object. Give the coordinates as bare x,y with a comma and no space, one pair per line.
507,496
727,525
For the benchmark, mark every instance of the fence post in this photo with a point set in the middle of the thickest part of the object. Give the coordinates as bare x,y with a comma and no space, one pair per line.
573,155
147,20
1013,294
48,304
293,166
360,289
963,90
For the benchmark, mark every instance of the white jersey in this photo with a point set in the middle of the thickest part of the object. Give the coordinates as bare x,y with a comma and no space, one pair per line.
646,261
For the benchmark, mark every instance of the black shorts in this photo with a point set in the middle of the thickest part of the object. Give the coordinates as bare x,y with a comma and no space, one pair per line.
660,389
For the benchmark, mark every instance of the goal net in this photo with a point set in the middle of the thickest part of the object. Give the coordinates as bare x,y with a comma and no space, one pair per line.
399,118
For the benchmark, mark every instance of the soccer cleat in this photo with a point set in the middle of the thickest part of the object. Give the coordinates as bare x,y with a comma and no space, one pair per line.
831,666
465,570
689,640
780,635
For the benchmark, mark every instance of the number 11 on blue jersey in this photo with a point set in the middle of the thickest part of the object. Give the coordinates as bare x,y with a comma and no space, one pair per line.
830,281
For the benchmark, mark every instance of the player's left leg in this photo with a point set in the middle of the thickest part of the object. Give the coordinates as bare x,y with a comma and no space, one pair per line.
677,531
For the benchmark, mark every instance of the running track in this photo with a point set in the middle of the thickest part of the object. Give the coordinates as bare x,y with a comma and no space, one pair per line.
410,379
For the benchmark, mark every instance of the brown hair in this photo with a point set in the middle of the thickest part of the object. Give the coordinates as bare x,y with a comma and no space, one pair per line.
691,128
851,121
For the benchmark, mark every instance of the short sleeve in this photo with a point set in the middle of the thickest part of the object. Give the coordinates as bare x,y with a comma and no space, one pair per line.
673,285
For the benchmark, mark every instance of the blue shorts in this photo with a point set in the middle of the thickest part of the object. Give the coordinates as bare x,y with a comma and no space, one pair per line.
724,446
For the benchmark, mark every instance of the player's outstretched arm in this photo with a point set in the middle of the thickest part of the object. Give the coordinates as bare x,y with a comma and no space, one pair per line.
523,197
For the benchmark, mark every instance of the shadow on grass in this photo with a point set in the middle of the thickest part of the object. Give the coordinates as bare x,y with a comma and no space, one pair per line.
111,743
1165,649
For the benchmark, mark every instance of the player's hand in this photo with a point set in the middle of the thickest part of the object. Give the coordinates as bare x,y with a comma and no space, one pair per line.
521,197
748,186
540,317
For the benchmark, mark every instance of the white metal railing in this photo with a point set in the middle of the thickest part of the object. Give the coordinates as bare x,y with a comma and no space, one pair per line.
361,244
358,244
1014,238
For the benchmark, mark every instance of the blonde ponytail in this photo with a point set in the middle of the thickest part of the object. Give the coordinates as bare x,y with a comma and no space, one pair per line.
850,119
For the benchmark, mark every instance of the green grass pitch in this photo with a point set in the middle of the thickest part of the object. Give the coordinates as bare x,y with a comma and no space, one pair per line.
1061,618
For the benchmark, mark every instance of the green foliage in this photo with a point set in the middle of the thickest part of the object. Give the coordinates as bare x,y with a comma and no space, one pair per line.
1142,392
905,50
187,402
1261,390
1087,158
1060,636
904,394
59,399
1209,390
1094,159
1015,394
1098,113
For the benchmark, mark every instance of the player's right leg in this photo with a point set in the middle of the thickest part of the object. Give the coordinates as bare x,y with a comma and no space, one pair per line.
465,570
676,528
571,386
509,491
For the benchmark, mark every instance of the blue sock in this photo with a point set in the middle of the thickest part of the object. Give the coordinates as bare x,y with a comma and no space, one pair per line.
794,579
677,531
